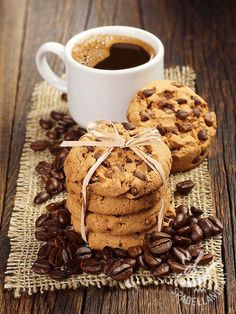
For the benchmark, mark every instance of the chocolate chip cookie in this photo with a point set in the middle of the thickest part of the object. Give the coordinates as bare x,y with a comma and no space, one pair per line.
123,172
181,116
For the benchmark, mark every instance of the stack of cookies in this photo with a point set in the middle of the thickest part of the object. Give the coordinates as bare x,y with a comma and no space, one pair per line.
124,194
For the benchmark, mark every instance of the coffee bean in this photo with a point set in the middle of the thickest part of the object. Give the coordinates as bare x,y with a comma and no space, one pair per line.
52,134
55,148
177,267
45,177
196,211
81,132
57,274
161,270
91,266
155,235
120,253
56,115
181,114
39,146
196,233
182,241
41,197
59,242
182,209
53,186
182,101
209,119
164,256
59,175
131,261
46,123
151,260
60,129
162,130
141,262
218,227
135,251
72,267
202,135
185,187
64,218
168,230
196,112
68,120
64,96
55,257
74,237
54,206
160,246
41,219
71,135
206,226
179,221
139,175
121,272
44,251
181,255
184,231
41,266
110,265
206,259
84,252
43,167
192,220
194,249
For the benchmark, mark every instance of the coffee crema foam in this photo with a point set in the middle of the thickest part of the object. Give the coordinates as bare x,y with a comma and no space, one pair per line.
96,48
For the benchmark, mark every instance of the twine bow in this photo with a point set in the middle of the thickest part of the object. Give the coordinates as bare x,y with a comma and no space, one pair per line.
96,137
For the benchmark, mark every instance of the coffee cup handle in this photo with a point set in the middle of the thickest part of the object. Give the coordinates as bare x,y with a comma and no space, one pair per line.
43,67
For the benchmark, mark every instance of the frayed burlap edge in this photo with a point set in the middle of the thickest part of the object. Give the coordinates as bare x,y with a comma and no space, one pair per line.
24,246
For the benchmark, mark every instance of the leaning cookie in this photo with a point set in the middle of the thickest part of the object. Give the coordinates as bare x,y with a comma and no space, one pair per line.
123,172
181,116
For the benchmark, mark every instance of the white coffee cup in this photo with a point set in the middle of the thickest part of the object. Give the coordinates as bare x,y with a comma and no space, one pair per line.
95,94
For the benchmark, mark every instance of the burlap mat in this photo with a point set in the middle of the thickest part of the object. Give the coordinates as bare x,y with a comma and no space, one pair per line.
24,246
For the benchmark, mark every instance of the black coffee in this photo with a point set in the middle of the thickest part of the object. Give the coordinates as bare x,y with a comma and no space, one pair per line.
112,52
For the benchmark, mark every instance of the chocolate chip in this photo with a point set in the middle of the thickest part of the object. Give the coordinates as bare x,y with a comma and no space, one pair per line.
133,191
185,187
46,123
39,146
161,270
43,167
197,102
202,135
209,119
196,112
41,197
64,96
144,116
167,94
128,126
182,101
182,209
181,114
185,126
176,84
162,130
138,174
196,160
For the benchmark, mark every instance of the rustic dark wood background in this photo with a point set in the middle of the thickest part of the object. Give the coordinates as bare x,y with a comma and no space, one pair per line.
197,33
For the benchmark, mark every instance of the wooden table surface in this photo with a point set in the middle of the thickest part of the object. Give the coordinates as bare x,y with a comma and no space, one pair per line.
198,33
